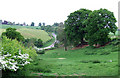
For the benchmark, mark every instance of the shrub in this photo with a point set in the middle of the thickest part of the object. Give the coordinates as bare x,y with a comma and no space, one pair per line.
40,51
38,43
14,55
115,41
95,61
11,33
56,45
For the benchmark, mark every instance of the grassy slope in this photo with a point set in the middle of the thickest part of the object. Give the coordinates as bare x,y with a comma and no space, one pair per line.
72,65
50,42
27,32
34,33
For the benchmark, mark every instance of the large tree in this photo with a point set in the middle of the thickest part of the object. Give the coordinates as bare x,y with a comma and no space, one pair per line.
39,24
61,36
43,24
74,28
32,24
99,24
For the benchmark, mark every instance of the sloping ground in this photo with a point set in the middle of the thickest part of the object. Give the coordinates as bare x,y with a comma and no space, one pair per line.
34,33
28,32
86,61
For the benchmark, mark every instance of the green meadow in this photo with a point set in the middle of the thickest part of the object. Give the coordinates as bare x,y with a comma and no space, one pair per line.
86,61
80,62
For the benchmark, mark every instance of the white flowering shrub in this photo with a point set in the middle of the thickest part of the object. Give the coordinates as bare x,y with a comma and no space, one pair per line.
13,55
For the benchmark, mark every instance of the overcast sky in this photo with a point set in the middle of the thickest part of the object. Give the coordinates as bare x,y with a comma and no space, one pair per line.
49,11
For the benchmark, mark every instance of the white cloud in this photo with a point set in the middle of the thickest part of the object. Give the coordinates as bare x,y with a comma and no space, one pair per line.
49,11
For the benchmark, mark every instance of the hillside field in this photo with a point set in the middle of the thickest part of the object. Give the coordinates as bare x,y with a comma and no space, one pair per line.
28,32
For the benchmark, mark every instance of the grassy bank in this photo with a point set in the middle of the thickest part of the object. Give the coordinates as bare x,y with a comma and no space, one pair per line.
81,62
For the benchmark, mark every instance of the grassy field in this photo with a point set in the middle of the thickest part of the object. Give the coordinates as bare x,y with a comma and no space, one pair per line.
34,33
30,32
85,61
80,62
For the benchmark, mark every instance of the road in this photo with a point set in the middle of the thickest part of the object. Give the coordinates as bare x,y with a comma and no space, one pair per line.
52,45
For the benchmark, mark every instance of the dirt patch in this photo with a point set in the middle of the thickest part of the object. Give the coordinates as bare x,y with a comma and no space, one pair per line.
79,47
98,46
83,46
61,58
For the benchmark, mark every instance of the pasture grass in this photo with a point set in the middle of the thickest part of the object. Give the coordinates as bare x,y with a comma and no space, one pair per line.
78,63
34,33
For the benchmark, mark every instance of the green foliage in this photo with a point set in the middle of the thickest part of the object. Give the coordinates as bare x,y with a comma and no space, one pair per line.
115,41
62,37
11,33
39,24
39,43
30,42
13,46
38,65
99,24
40,51
56,45
74,27
32,24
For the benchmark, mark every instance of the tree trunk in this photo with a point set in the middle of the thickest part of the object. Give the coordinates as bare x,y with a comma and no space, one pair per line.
65,48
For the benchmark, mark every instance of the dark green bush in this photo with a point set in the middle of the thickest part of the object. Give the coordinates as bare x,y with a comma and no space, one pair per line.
95,61
40,52
11,33
56,45
115,41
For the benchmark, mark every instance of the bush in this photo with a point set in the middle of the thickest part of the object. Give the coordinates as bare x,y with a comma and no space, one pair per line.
38,43
87,61
115,41
95,61
13,55
40,52
56,45
11,33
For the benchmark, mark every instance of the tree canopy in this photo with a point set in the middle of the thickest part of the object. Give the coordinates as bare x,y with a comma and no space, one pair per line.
32,24
11,33
99,24
74,27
